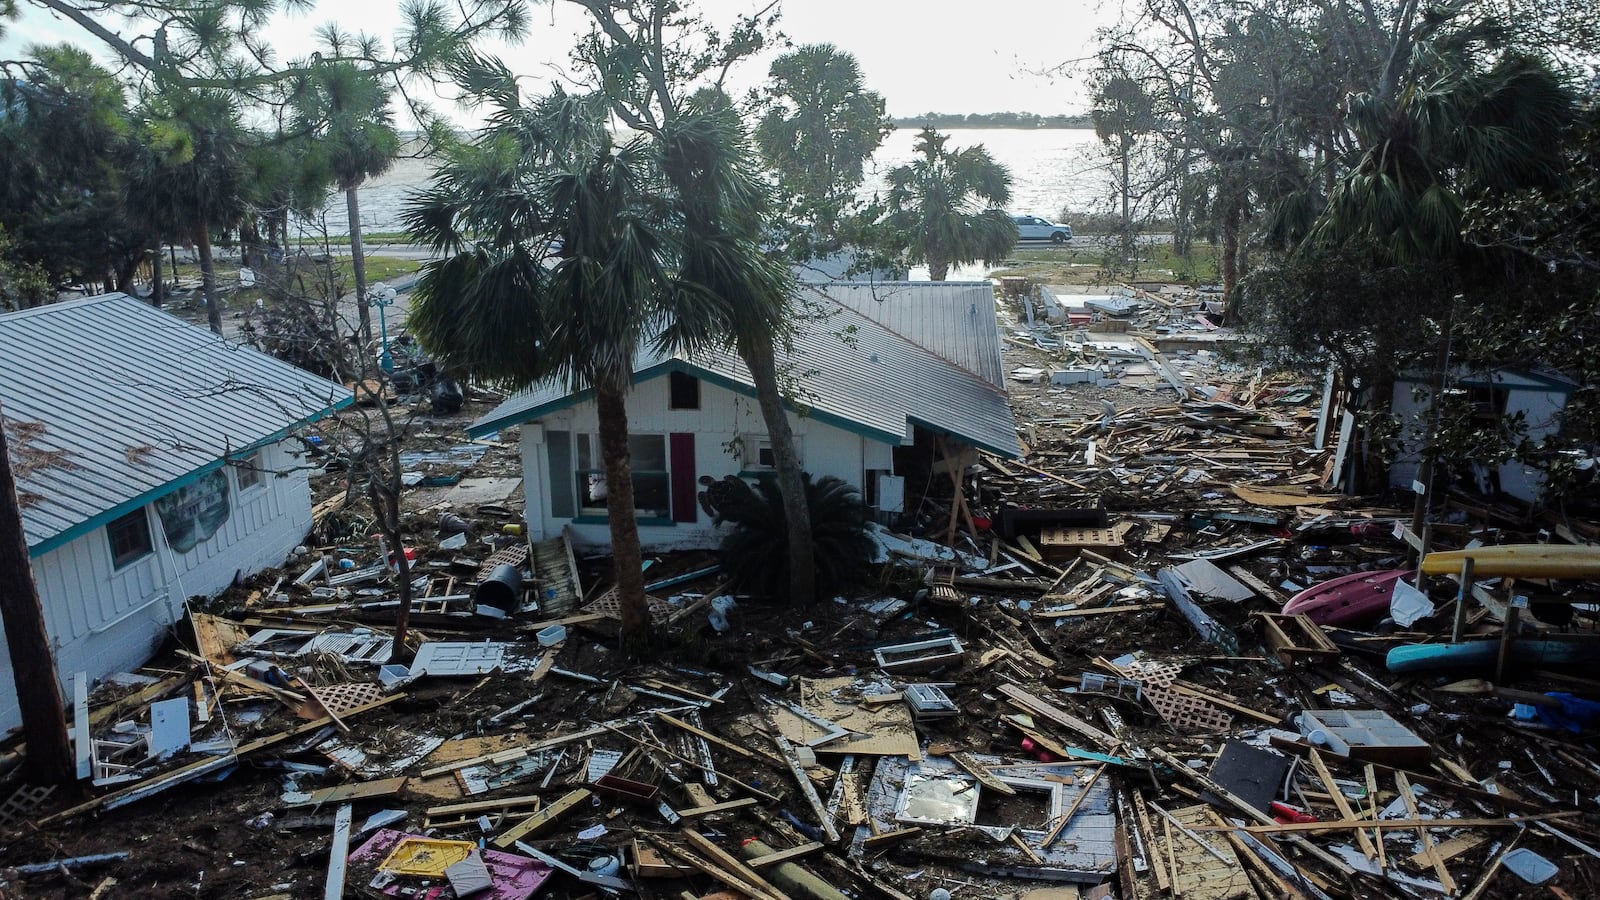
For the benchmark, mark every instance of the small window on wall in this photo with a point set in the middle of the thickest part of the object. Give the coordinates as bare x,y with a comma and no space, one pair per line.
683,391
652,486
757,456
249,471
129,537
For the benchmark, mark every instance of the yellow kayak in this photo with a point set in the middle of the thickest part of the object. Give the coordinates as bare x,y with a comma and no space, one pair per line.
1520,561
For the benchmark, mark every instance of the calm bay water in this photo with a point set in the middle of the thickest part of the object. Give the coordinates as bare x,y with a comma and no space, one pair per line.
1050,168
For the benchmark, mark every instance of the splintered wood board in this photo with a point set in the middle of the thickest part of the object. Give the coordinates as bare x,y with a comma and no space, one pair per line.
1199,875
445,786
887,730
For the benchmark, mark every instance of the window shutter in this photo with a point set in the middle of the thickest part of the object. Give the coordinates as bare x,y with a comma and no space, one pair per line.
685,508
558,445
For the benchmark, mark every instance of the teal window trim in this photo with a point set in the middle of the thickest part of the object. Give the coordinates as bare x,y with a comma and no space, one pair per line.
650,521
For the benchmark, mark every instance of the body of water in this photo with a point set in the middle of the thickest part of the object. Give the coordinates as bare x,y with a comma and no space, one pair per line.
1050,169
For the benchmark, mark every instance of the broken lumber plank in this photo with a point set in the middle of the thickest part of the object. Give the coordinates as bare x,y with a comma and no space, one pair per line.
807,789
716,872
1066,818
481,806
779,856
1439,868
338,855
890,837
514,753
981,772
542,818
719,740
695,812
1096,611
1340,803
1450,849
731,863
346,793
1056,714
1240,806
1389,824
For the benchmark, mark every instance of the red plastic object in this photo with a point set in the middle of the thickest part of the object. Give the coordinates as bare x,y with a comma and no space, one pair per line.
1284,814
1038,752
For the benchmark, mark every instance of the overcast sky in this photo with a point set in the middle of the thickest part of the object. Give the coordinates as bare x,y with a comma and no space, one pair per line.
927,56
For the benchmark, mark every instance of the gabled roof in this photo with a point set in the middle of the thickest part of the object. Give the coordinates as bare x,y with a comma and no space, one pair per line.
119,403
851,372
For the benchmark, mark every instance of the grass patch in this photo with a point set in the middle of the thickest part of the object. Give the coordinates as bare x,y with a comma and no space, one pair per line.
379,268
1081,263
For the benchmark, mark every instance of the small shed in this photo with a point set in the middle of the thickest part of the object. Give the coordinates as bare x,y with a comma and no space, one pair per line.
1538,396
155,461
877,370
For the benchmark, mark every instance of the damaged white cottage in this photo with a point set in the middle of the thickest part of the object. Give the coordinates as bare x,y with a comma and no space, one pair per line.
155,462
882,374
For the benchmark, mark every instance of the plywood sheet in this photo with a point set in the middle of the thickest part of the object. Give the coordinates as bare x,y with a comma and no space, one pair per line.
1200,875
884,730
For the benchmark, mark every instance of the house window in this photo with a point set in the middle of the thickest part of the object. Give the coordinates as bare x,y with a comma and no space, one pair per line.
129,537
756,453
652,484
683,391
250,471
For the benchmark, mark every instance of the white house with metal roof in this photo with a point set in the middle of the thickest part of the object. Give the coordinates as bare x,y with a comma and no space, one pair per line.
154,462
878,370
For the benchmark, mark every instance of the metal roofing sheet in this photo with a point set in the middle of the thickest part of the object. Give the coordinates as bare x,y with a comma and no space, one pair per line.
851,371
954,319
125,402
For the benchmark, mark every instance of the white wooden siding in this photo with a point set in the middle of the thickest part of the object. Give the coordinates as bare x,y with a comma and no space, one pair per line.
103,620
723,416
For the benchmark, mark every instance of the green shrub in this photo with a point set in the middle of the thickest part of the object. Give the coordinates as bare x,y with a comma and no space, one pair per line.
755,554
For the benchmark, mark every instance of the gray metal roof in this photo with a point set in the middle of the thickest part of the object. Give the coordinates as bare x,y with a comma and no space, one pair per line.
851,371
954,319
130,403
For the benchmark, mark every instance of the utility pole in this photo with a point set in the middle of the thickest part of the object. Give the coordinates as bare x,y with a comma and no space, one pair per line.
33,659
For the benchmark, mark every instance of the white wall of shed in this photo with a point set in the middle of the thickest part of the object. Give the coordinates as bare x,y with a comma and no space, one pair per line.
104,620
723,416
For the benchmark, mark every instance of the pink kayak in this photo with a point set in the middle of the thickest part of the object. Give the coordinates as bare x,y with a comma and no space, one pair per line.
1348,599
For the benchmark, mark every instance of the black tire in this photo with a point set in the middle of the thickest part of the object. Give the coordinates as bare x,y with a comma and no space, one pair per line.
1059,237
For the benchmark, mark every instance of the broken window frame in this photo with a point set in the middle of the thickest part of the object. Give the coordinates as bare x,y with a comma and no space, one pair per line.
589,474
129,538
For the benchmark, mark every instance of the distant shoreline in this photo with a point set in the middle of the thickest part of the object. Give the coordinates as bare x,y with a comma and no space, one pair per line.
1008,121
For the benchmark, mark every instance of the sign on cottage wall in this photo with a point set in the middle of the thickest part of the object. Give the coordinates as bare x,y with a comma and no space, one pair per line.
193,513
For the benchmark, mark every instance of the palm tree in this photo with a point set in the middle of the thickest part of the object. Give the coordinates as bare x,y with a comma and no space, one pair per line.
818,127
727,285
1458,129
532,182
191,173
942,206
346,111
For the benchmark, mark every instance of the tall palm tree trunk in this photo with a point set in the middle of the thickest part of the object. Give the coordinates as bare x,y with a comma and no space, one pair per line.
1231,221
358,262
208,278
938,268
33,662
158,291
626,557
760,356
